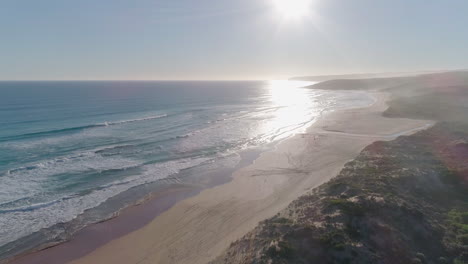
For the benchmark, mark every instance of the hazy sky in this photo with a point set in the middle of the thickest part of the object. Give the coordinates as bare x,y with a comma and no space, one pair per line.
227,39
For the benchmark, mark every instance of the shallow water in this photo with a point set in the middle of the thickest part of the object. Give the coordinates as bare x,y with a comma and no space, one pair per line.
66,147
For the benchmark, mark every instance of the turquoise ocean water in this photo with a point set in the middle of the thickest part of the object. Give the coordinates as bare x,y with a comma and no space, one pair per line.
68,147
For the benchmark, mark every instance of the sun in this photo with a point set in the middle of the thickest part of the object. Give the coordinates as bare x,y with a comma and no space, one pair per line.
293,9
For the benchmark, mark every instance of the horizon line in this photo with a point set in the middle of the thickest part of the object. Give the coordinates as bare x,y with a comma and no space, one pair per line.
247,79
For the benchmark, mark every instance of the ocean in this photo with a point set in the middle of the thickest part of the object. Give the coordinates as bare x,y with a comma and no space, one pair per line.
69,148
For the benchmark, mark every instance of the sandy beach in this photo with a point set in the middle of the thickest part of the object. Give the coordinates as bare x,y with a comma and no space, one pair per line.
198,229
233,132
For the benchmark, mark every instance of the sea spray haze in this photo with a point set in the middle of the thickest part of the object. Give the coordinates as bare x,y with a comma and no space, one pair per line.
66,147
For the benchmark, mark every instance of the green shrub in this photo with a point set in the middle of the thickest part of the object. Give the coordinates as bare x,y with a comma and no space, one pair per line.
459,220
281,220
285,251
350,208
459,261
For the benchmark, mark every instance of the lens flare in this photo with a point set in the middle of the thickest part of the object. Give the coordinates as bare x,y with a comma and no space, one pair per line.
293,9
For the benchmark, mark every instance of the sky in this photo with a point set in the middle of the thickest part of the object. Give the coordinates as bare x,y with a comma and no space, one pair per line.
226,39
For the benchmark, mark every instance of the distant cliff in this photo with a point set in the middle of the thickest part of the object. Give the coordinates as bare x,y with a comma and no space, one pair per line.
321,78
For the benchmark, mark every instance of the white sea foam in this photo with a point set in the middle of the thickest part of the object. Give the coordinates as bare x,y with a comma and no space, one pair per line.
134,120
14,225
80,133
34,179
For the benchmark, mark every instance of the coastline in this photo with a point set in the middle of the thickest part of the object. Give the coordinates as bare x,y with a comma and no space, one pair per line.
198,228
129,218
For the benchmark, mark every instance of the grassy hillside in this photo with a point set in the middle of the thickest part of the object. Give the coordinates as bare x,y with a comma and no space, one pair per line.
448,104
401,86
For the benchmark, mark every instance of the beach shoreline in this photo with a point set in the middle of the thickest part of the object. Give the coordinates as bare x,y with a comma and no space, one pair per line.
195,225
129,218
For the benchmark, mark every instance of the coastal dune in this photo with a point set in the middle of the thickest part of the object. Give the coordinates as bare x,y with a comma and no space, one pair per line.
198,229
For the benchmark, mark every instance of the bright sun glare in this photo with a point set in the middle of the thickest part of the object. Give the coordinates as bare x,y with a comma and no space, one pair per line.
293,9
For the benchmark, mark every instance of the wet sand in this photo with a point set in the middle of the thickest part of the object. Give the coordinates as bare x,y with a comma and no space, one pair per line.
131,218
197,229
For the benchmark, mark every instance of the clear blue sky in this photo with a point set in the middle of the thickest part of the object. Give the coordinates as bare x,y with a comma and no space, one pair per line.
226,39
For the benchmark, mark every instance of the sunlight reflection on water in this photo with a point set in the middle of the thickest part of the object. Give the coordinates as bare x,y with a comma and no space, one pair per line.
294,106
